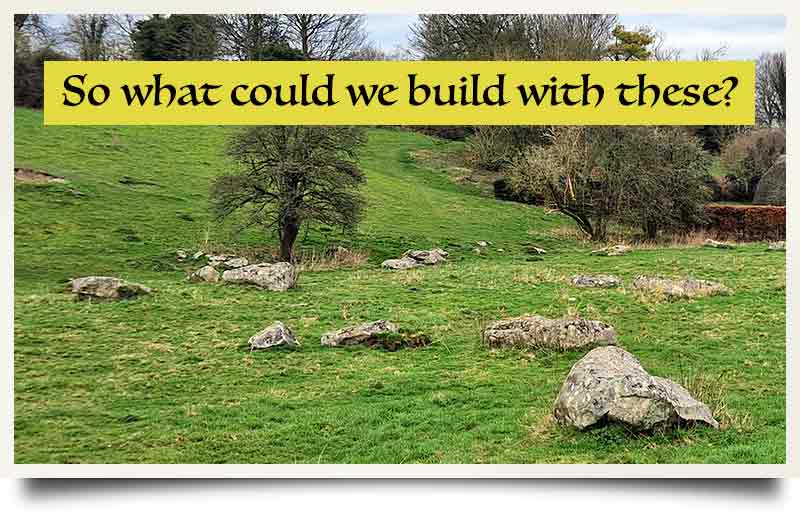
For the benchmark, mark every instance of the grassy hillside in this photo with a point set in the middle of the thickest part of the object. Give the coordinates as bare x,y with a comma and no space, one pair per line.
168,378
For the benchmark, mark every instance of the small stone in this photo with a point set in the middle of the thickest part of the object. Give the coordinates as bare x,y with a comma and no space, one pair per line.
359,334
612,251
537,332
428,257
681,288
106,288
604,281
609,384
274,336
205,274
274,277
778,246
483,244
717,244
181,255
197,255
537,250
404,263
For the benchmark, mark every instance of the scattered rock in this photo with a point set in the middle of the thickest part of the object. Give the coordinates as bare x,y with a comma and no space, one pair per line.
536,250
106,288
359,334
483,244
205,274
604,281
771,188
717,244
612,251
274,336
404,263
227,261
778,246
609,384
35,176
275,277
532,331
181,255
682,288
429,257
198,254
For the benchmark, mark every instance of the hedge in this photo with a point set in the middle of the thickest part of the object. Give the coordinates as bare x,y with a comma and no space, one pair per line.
747,222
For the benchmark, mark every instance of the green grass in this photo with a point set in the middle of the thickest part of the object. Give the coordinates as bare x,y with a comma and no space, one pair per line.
168,378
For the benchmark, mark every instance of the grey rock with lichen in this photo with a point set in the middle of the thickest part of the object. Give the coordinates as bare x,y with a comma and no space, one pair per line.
358,334
274,336
205,274
404,263
274,277
537,332
602,281
609,384
106,288
680,288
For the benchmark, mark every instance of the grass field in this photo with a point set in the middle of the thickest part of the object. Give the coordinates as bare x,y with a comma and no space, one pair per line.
168,378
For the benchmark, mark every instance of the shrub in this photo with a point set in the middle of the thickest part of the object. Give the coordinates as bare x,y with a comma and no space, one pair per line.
450,132
495,148
503,190
749,155
747,222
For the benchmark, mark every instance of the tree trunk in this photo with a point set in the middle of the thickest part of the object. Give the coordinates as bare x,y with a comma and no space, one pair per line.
288,237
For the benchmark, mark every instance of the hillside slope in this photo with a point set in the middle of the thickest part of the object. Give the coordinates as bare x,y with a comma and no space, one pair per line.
168,378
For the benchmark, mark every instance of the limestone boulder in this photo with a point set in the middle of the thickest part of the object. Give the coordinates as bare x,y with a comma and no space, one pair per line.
359,334
602,281
537,332
778,246
680,288
279,276
610,385
612,251
205,274
274,336
106,288
404,263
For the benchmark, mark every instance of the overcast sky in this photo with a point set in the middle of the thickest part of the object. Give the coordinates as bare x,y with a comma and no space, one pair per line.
746,37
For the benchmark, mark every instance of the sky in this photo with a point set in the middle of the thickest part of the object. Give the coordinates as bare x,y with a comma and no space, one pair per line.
746,37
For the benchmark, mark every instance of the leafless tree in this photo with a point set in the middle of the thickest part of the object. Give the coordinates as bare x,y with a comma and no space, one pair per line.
249,37
771,89
326,37
90,36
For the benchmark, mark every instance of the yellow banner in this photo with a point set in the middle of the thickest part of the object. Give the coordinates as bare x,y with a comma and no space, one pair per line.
399,93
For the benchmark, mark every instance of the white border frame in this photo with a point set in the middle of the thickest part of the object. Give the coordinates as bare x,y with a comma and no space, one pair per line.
787,8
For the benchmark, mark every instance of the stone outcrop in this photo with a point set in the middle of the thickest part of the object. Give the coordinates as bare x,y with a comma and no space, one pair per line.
274,277
274,336
603,281
205,274
680,288
359,334
106,288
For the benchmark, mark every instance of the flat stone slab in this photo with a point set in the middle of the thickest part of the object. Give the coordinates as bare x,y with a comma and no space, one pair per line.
710,243
680,288
779,246
602,281
397,264
106,288
609,384
274,336
612,251
274,277
537,332
359,334
205,274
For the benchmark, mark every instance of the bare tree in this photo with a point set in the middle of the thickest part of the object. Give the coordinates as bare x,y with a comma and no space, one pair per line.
771,89
326,37
565,37
90,36
250,37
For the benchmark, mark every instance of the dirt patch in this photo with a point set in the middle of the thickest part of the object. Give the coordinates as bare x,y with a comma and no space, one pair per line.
30,176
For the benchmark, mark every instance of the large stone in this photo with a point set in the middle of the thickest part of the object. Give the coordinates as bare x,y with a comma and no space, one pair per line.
404,263
710,243
771,188
106,288
360,334
205,274
604,281
681,288
609,384
275,277
778,246
274,336
612,251
429,257
537,332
